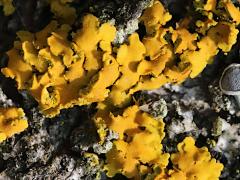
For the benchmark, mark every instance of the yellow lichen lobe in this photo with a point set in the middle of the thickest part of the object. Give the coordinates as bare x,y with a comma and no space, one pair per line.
42,36
128,57
155,16
204,25
176,75
60,47
139,146
97,90
210,5
90,69
61,74
88,38
155,43
8,7
192,162
156,66
183,40
149,83
233,11
17,69
50,97
12,121
224,35
200,58
63,11
31,57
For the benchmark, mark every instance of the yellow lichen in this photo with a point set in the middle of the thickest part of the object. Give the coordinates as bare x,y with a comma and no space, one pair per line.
139,147
224,35
31,57
210,5
60,73
88,38
233,11
156,66
63,11
128,57
176,75
12,121
18,69
97,90
8,7
221,36
154,43
199,59
149,83
41,36
194,163
183,40
60,47
205,25
50,67
155,16
50,97
25,36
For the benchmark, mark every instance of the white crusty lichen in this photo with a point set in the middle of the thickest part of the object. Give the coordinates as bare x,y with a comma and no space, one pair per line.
123,32
4,101
184,125
104,147
158,109
229,141
132,25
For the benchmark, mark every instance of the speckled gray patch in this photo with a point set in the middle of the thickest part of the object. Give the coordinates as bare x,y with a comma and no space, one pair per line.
231,79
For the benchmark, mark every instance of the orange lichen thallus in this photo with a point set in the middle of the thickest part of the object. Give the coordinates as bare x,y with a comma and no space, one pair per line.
12,121
139,147
60,73
191,163
8,7
138,151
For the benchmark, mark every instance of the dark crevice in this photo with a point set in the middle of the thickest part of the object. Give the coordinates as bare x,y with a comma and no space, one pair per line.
10,89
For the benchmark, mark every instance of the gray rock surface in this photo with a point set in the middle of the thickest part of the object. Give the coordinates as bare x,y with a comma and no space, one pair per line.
67,147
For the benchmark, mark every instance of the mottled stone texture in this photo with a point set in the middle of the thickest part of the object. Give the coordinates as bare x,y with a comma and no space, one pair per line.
56,148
